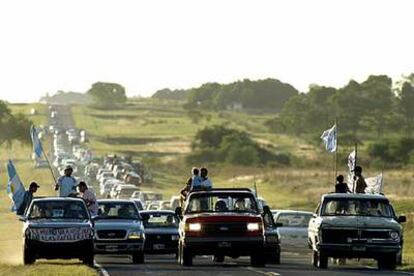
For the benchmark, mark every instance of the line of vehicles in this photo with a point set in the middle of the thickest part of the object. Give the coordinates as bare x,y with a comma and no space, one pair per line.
219,222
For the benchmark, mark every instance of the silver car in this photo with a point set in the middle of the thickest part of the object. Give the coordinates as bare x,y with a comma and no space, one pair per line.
293,230
119,229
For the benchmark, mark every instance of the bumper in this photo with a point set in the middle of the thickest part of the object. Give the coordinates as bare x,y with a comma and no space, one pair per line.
62,250
358,250
118,246
224,246
161,248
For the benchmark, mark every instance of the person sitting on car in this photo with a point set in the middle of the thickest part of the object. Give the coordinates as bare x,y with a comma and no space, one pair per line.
221,206
27,198
341,186
206,183
66,184
89,198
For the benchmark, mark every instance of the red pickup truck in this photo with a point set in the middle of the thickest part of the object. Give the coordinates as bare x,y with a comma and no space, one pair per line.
221,222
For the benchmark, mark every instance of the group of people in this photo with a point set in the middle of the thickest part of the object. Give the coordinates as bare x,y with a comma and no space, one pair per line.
359,182
198,181
66,186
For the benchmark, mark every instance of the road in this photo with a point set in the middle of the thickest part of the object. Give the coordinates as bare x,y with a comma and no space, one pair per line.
291,265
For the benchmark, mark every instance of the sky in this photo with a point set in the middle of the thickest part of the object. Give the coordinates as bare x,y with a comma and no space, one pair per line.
49,45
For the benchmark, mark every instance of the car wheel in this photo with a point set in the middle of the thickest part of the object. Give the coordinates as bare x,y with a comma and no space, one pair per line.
399,257
28,256
88,260
218,258
322,260
387,262
186,256
138,258
258,259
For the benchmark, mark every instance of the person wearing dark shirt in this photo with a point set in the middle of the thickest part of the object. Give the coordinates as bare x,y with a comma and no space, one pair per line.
27,198
341,186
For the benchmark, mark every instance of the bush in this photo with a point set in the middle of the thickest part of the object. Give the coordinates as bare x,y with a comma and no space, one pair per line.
245,156
396,151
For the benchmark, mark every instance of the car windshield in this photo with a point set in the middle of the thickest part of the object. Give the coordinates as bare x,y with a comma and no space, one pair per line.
118,210
58,210
222,202
357,207
161,220
294,220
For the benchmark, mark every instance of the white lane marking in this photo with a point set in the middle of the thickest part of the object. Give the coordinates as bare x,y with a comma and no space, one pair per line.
102,271
262,272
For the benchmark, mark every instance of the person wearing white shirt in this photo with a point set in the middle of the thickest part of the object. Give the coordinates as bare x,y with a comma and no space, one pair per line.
66,184
206,183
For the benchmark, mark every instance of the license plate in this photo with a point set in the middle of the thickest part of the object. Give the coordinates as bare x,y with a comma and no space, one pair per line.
158,246
359,248
111,248
224,244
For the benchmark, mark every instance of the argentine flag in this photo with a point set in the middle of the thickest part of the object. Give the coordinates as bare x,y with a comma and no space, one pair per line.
15,188
329,138
37,146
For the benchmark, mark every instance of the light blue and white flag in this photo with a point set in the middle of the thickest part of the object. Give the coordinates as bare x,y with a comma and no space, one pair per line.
374,184
329,138
15,188
37,145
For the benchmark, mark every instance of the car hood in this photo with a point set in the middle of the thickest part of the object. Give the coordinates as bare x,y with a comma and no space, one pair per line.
58,223
361,222
117,224
171,231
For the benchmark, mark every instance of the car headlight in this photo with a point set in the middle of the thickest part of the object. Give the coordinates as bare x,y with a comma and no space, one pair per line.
194,227
175,237
394,235
135,235
253,226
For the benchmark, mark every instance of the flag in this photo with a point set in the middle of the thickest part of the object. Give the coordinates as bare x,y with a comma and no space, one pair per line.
37,145
15,188
329,138
351,166
374,184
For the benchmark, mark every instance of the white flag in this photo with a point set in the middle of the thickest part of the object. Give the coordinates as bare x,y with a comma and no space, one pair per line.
329,138
351,166
374,184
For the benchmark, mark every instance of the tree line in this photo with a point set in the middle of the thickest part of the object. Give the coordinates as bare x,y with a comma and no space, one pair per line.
13,126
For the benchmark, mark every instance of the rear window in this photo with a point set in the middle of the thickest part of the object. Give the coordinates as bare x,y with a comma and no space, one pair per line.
118,210
294,220
160,220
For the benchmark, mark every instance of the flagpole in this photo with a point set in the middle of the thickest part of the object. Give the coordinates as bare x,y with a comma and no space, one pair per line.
50,167
336,151
355,164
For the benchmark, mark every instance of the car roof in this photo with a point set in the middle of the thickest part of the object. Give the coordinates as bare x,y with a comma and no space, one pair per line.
57,199
354,196
224,190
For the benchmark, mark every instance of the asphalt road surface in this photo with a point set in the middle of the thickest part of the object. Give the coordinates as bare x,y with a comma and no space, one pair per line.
291,265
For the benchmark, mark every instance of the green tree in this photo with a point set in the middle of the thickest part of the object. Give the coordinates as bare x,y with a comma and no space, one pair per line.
406,106
107,94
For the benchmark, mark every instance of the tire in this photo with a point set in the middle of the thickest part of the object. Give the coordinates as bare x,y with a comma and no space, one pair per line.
322,260
218,258
399,257
186,257
388,262
258,259
88,260
273,257
28,257
138,258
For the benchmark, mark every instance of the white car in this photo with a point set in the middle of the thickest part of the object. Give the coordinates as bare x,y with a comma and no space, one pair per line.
147,196
293,230
125,191
104,175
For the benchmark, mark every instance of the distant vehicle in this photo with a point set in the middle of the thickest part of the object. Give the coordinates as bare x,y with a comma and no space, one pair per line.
356,226
293,230
153,205
119,229
161,232
175,202
222,222
105,190
147,196
105,174
57,228
133,178
125,191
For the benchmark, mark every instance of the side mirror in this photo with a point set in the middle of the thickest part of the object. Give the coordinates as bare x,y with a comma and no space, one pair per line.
266,209
22,218
401,219
314,215
179,212
145,216
278,224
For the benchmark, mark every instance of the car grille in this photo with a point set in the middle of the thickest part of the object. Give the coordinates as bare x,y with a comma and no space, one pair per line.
225,229
111,234
154,238
342,235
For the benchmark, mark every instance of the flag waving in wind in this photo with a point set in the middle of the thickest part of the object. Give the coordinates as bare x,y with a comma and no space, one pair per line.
15,188
37,145
329,138
351,166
